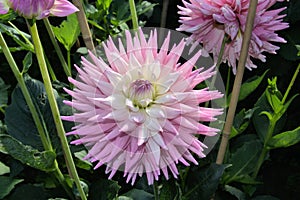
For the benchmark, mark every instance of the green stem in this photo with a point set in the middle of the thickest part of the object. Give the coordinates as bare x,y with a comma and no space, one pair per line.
228,81
54,108
26,94
134,17
219,60
38,123
155,190
69,60
56,47
290,85
52,74
265,148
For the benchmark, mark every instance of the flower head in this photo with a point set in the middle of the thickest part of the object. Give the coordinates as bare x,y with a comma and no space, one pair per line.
209,21
138,112
38,9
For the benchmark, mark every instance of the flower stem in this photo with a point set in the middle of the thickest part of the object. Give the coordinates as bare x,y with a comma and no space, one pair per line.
54,108
84,27
228,81
26,94
237,82
290,85
214,78
265,148
38,123
56,47
134,17
272,124
155,190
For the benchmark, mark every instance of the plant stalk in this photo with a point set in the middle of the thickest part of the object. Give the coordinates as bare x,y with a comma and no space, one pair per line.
290,85
56,47
237,82
134,17
54,109
35,116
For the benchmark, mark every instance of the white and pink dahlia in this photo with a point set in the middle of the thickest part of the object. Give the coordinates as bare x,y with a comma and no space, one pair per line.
138,112
210,20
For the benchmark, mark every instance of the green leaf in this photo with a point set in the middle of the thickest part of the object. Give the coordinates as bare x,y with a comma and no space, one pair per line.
14,33
27,62
243,161
3,93
19,120
168,190
241,122
285,139
204,183
298,48
235,192
261,122
29,191
104,189
248,87
7,184
4,169
137,194
27,155
80,162
68,32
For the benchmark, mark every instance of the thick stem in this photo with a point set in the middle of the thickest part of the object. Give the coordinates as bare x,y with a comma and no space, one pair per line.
26,94
54,108
84,27
35,116
56,47
134,17
238,81
290,85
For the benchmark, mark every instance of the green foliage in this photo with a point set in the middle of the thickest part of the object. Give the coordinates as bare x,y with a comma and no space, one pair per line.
7,184
241,122
27,62
138,194
249,87
27,155
4,169
203,183
3,93
19,121
109,189
285,139
243,162
68,32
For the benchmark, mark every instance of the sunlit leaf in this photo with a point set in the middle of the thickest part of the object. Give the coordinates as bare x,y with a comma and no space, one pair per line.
285,139
4,169
68,32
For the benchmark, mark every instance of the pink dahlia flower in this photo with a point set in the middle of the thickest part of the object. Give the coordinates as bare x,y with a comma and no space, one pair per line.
210,20
138,112
38,9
